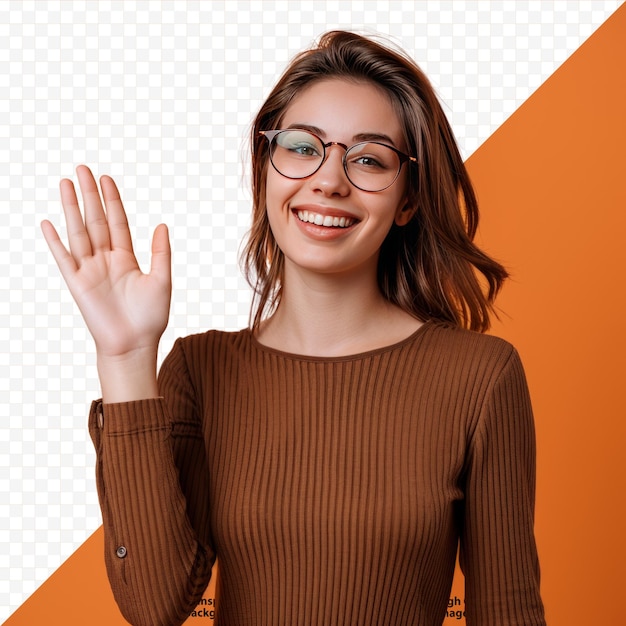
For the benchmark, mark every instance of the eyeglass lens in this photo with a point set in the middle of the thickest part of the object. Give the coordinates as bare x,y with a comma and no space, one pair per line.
370,166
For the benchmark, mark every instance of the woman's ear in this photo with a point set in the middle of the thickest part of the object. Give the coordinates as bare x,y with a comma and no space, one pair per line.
404,215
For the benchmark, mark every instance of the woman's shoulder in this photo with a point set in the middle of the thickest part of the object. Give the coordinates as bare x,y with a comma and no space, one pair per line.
450,334
213,340
199,356
445,341
456,363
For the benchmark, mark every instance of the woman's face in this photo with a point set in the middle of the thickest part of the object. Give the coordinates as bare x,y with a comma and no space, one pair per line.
323,223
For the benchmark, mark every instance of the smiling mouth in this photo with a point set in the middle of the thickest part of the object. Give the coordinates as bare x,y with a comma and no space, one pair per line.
328,221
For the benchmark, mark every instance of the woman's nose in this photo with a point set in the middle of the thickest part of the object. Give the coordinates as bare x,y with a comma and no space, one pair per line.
331,177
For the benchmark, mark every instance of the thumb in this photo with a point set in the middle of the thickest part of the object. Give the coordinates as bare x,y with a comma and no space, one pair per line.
160,263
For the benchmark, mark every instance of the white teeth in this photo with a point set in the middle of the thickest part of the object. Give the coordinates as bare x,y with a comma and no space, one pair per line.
325,220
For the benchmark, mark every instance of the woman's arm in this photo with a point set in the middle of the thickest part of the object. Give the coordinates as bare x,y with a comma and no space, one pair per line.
498,551
157,550
152,481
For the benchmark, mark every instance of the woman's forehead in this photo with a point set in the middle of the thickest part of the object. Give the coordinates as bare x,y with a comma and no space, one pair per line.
344,110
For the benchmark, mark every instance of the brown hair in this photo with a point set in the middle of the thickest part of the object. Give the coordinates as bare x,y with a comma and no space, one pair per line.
430,267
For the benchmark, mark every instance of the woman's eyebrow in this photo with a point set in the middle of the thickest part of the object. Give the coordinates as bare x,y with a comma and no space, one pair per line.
374,137
313,129
360,137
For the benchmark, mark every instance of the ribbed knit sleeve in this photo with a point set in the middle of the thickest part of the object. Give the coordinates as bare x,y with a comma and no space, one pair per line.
152,485
498,553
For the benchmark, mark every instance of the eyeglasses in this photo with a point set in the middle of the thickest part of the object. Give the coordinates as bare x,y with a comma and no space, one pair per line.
369,165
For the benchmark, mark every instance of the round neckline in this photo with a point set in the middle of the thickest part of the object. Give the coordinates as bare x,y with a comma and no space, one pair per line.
338,359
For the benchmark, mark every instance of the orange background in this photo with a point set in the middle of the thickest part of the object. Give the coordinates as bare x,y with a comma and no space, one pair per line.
551,183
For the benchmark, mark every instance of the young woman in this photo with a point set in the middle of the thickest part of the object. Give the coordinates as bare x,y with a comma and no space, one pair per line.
334,454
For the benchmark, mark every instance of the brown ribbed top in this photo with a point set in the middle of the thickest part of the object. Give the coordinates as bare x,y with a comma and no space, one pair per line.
333,490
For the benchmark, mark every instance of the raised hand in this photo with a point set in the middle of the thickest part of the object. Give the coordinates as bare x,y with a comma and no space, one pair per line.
125,310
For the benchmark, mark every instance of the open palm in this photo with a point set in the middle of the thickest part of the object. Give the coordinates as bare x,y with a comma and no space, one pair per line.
124,309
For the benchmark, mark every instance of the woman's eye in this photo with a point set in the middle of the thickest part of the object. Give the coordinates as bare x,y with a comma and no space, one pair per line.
305,150
368,161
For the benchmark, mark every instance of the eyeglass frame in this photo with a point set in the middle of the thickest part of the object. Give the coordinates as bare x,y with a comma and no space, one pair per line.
271,134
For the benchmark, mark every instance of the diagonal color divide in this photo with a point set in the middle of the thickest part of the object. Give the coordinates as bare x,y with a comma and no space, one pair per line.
551,184
552,187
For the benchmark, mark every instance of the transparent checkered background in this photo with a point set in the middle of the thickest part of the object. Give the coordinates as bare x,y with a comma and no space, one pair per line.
160,95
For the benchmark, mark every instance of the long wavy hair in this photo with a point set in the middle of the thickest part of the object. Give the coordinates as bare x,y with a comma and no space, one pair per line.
429,267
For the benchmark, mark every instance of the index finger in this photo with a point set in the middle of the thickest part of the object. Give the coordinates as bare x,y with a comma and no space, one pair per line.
116,215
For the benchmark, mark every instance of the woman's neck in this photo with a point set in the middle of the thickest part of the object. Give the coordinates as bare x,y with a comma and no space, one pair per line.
334,316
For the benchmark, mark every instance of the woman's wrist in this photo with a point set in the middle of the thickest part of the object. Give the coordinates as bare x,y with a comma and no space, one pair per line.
128,377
